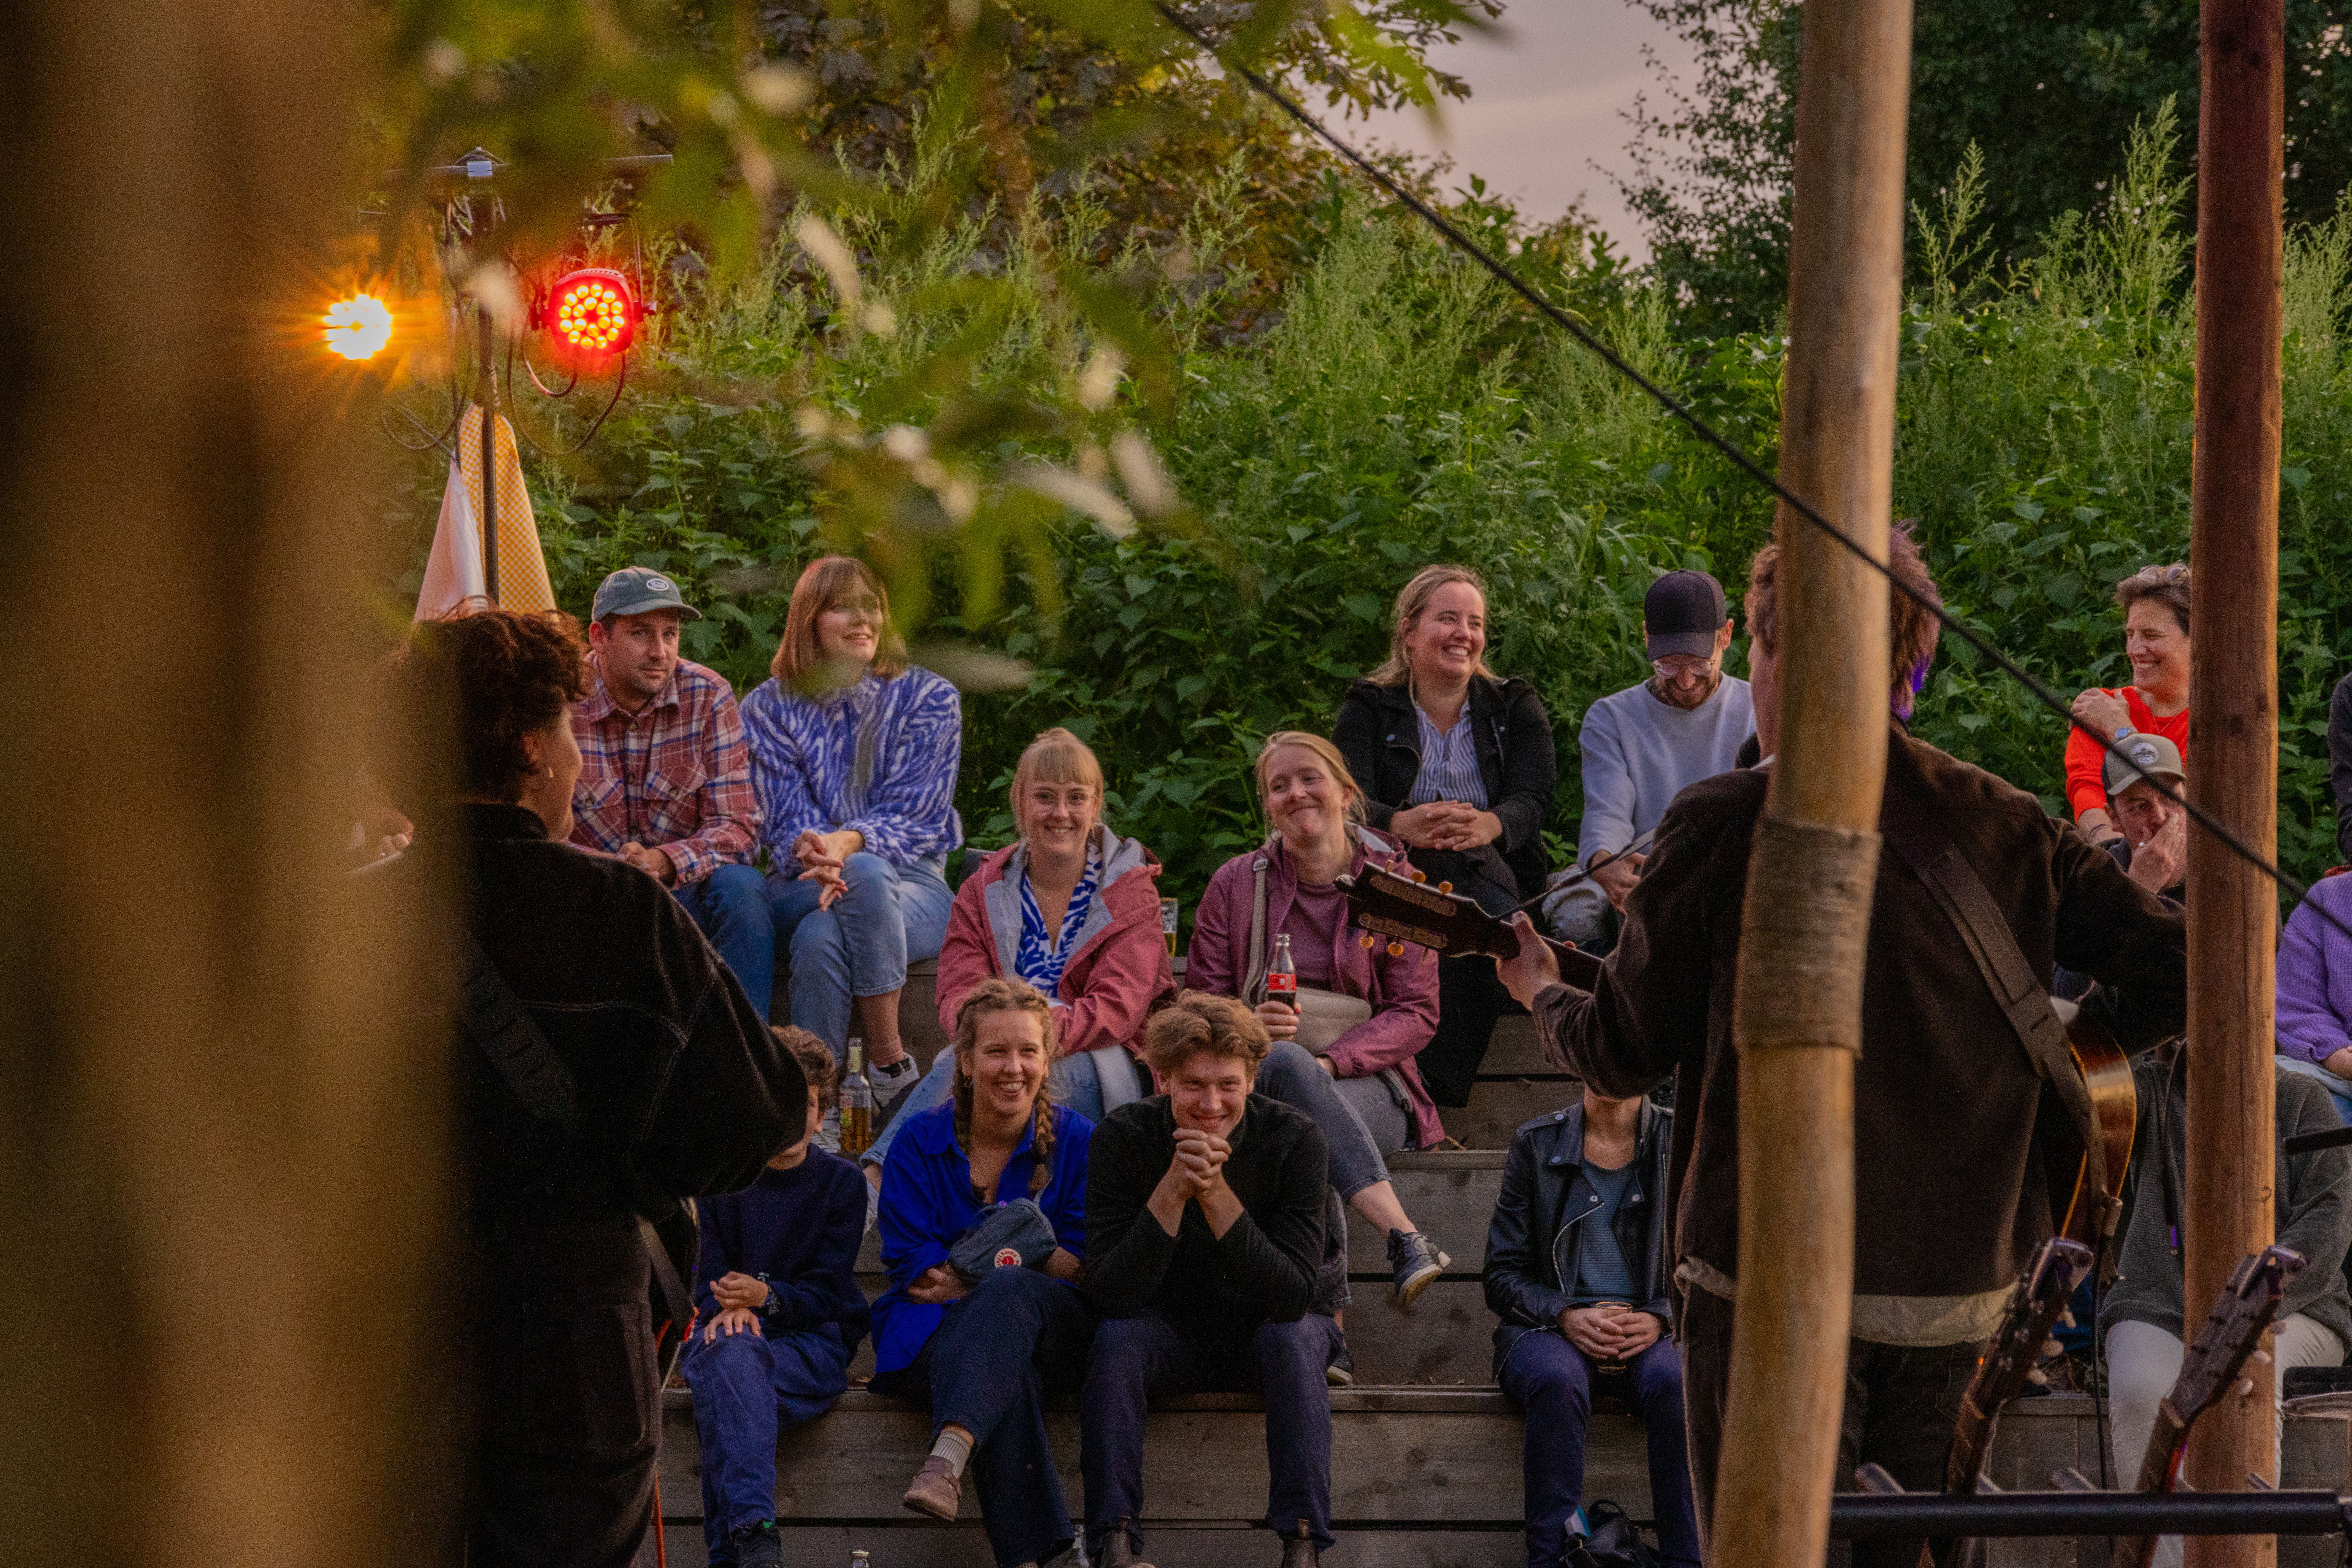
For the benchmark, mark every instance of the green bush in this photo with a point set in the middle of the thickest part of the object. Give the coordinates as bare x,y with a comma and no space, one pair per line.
1403,412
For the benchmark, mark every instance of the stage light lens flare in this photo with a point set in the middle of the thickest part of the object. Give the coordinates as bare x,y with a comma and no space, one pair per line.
592,314
359,327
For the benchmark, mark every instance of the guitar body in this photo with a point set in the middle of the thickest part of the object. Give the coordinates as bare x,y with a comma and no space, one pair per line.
2079,1211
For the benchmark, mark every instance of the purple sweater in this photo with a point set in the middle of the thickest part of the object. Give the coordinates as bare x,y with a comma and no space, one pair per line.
2315,975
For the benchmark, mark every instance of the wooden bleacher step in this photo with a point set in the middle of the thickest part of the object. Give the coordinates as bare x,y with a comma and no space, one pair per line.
1422,1479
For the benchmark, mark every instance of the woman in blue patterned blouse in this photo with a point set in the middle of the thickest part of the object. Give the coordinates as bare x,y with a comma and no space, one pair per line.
854,754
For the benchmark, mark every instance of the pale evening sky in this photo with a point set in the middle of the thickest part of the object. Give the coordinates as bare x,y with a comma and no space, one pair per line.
1548,92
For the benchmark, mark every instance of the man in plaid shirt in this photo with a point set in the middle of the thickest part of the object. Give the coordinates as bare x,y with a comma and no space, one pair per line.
665,776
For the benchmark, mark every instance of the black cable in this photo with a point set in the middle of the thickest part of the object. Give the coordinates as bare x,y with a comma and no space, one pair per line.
1738,458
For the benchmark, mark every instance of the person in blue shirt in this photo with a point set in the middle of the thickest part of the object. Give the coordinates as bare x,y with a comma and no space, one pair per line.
982,1356
1577,1271
778,1315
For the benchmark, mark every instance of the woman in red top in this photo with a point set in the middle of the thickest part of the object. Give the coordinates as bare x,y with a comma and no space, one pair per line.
2155,640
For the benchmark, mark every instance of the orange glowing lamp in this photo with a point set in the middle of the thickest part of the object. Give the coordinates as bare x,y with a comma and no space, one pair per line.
592,314
359,327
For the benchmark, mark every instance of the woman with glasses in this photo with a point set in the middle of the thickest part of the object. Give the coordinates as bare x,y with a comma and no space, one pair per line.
2155,601
1458,763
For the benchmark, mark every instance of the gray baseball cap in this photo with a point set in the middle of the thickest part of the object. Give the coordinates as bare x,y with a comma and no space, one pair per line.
635,590
2150,755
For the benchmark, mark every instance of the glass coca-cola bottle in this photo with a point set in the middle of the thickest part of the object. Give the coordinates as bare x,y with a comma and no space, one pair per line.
1282,974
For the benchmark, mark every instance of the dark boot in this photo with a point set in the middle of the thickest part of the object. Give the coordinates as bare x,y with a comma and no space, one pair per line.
1116,1548
756,1545
1299,1550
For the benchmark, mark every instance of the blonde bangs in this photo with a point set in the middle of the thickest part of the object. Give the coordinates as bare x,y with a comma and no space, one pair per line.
1056,756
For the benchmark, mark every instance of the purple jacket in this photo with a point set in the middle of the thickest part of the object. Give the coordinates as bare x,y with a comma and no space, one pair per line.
2315,975
1401,989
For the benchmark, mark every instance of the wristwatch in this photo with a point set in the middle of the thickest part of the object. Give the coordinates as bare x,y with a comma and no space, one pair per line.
767,1307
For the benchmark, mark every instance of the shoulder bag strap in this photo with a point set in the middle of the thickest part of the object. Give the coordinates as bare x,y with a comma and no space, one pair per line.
1254,978
494,1015
1962,894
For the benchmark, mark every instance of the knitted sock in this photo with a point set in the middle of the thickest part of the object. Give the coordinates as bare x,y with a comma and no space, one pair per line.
954,1447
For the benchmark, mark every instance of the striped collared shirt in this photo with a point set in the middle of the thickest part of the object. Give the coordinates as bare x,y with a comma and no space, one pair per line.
1449,762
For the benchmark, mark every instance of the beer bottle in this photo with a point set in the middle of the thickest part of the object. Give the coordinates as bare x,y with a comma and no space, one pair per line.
856,1103
860,1560
1281,974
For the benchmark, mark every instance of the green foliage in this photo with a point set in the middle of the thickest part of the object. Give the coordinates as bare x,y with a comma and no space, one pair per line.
2046,93
1400,414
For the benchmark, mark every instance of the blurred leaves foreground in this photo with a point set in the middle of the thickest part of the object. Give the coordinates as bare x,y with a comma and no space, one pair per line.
814,150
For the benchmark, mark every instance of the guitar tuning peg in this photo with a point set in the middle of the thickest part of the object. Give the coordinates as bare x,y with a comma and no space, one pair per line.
1396,950
1444,887
2038,1377
2262,1358
1420,876
2246,1388
1369,940
2052,1347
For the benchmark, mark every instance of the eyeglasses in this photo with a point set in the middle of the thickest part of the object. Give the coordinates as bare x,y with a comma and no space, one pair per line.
1681,666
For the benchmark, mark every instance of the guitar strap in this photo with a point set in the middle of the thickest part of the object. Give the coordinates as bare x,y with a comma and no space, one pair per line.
2024,996
495,1018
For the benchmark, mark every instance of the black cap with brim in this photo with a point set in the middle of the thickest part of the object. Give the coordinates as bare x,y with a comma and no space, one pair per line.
638,590
1683,614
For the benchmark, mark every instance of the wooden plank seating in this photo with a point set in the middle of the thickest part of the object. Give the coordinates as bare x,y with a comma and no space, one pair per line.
1427,1478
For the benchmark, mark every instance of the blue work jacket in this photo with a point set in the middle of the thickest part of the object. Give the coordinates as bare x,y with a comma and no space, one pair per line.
928,1203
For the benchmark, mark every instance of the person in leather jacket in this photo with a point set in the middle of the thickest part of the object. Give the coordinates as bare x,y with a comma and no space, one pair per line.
554,1403
1577,1271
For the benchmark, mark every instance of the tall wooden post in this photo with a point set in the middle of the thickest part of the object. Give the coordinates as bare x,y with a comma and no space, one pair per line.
2234,708
1798,1022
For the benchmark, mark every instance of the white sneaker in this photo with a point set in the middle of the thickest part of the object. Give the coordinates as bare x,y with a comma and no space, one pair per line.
892,1083
828,1132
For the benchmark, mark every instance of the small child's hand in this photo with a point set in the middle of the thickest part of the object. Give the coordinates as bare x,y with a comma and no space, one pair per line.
740,1290
734,1320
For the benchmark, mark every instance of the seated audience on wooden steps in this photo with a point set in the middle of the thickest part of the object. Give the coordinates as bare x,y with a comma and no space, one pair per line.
1344,1054
1945,1090
1577,1271
1205,1205
1458,763
666,774
1644,745
1072,910
984,1228
675,1087
778,1314
2143,1314
855,754
2315,991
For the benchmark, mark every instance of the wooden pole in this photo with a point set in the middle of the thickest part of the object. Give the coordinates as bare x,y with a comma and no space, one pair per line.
2233,709
1797,1021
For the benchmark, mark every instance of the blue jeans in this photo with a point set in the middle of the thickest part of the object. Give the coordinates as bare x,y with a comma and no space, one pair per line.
1139,1359
2340,1089
861,946
997,1353
731,905
746,1390
1075,1083
1552,1383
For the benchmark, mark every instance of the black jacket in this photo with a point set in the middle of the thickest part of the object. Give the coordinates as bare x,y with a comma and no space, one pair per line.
1377,733
1532,1241
1264,1268
684,1088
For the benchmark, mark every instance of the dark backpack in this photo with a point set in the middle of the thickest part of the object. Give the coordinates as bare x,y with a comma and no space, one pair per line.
1613,1543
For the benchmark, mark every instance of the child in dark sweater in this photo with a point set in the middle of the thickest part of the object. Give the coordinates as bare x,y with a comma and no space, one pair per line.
779,1315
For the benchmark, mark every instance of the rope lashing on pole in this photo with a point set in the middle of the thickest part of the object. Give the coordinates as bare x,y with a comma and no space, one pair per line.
1568,322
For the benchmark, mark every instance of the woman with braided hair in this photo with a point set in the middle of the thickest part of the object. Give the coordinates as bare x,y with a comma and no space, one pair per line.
980,1335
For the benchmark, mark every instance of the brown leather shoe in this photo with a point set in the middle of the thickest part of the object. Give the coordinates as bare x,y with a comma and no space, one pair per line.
935,1490
1299,1550
1118,1549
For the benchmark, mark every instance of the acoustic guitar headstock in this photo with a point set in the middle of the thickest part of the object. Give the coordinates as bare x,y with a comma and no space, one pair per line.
2233,1330
1450,924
